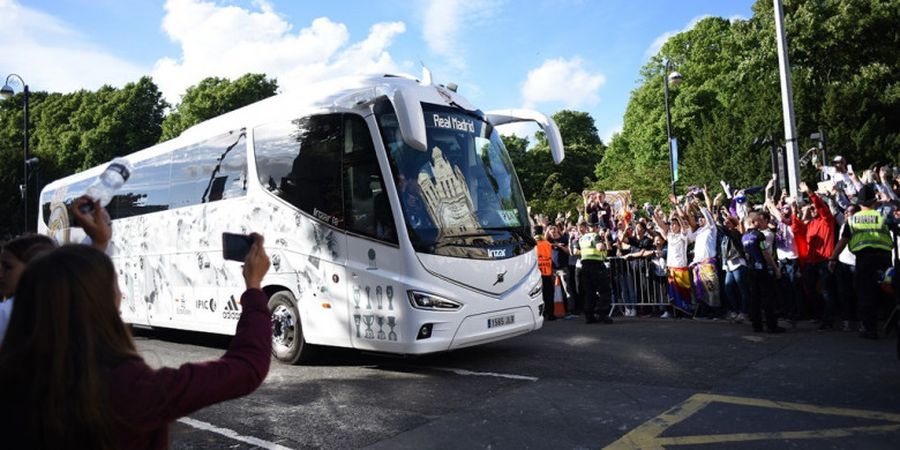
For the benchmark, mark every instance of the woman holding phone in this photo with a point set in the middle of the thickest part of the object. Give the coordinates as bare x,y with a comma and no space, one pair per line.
73,377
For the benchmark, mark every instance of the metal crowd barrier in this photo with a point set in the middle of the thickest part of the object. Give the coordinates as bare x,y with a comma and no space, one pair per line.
635,283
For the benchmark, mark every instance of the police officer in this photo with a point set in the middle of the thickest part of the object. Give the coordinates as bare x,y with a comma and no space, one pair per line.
870,240
594,276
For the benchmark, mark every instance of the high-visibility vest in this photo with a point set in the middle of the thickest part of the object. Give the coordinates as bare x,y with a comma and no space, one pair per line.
588,246
869,231
545,257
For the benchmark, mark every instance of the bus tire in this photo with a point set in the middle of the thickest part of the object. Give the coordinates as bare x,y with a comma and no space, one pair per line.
288,344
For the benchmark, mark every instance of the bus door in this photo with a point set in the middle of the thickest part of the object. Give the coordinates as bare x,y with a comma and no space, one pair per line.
374,259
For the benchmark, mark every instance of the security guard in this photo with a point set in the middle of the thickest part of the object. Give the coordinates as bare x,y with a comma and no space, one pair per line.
870,240
594,277
545,265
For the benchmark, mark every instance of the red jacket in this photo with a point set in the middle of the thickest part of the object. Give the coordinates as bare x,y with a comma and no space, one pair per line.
149,400
818,234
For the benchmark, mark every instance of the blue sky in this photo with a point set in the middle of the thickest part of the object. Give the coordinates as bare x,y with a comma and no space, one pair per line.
542,54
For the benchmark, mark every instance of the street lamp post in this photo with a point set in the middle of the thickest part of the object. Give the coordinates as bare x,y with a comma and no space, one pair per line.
674,78
7,92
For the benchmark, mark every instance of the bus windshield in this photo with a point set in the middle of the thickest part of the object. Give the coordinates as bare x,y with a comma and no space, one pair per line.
461,196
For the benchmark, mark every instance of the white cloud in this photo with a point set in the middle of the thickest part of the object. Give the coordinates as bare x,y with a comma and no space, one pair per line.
660,40
229,41
51,56
444,21
562,80
610,132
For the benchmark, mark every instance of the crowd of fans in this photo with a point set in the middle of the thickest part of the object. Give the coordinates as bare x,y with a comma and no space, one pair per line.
746,255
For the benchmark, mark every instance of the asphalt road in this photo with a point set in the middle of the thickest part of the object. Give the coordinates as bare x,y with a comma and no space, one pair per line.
638,383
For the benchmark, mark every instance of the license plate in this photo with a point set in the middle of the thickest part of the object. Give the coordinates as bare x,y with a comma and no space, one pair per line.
501,321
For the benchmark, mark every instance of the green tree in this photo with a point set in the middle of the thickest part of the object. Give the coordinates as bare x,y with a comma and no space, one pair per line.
551,188
845,56
215,96
72,132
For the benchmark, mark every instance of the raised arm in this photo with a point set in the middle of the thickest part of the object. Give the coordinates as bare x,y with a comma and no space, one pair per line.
660,221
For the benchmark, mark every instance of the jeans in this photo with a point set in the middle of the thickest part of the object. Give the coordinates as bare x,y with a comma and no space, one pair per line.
564,282
790,293
822,306
762,300
737,289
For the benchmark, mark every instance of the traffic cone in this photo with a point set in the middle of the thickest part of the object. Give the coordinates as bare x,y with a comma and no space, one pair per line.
559,307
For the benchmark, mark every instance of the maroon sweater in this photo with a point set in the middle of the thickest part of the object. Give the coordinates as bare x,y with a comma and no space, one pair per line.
148,400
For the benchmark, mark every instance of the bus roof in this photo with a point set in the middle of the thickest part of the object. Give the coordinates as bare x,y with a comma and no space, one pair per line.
335,92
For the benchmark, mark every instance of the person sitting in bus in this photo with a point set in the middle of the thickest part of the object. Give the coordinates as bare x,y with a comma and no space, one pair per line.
78,379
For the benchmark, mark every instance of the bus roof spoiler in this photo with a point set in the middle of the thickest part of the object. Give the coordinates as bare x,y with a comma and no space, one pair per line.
504,116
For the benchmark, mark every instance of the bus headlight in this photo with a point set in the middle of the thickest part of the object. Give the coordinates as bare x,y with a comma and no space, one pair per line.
536,290
422,300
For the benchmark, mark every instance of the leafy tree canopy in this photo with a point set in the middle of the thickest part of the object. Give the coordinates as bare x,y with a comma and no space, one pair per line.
549,187
215,96
845,58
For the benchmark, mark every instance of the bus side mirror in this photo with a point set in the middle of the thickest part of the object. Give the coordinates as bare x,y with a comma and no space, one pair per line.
411,120
504,116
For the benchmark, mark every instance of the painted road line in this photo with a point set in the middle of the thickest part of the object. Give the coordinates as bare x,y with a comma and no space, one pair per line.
464,372
231,434
779,435
648,434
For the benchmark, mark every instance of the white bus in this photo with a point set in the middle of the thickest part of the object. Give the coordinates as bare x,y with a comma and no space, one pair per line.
392,215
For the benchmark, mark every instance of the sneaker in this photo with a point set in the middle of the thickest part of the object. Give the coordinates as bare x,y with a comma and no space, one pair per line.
845,325
630,312
569,316
740,318
732,315
665,315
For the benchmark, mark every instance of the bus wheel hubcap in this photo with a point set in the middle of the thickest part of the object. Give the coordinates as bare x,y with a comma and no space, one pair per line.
283,326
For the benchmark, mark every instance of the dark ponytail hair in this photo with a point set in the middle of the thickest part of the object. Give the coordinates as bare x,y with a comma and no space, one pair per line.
64,336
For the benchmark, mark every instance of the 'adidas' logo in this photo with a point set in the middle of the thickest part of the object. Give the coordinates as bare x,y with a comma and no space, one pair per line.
232,310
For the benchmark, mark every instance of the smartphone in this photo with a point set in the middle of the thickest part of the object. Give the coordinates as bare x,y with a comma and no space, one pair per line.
235,247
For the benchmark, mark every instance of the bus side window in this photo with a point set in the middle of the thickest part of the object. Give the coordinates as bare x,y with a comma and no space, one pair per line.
209,171
366,205
146,191
301,163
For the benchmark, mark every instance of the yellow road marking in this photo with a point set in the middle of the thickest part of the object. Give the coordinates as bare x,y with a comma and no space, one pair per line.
648,434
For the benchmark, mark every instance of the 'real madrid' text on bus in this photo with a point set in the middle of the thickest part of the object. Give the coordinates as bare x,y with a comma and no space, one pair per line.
392,214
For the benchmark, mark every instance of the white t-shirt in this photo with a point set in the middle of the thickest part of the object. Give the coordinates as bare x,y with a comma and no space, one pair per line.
785,247
705,246
849,186
847,257
678,246
5,312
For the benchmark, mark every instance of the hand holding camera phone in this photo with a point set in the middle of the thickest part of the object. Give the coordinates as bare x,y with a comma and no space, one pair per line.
250,251
235,247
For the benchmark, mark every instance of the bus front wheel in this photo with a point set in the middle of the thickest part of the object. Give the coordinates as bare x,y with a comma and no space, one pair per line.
288,344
